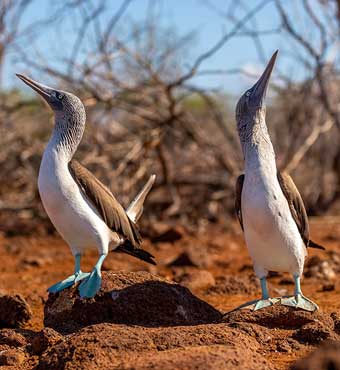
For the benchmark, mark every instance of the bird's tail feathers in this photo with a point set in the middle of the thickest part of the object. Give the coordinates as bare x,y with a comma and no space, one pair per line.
135,209
142,254
312,244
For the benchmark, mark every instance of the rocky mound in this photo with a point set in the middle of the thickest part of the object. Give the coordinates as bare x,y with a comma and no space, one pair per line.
240,340
133,298
299,328
279,317
109,346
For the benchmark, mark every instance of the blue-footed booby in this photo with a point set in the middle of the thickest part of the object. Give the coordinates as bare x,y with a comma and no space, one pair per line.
268,204
82,209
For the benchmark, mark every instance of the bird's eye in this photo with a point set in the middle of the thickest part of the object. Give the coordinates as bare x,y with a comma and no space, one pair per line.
60,96
248,93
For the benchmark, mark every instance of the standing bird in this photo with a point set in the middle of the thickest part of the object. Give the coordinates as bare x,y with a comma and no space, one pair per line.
268,205
82,209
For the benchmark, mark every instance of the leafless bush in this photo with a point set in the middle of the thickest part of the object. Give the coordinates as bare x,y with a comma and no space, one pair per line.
147,115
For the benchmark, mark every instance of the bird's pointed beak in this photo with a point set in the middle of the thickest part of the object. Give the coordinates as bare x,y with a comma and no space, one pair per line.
261,86
41,89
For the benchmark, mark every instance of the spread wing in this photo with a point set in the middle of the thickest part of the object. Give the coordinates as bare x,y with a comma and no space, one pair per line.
238,191
106,204
297,208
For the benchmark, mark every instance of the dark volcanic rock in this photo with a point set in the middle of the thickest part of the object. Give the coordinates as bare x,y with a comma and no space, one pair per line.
110,346
14,311
134,298
326,357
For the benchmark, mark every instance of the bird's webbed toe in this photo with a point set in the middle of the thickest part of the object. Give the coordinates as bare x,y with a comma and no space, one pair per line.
69,281
300,301
89,287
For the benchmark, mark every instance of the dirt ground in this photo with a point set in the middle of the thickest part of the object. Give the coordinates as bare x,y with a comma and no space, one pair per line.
213,264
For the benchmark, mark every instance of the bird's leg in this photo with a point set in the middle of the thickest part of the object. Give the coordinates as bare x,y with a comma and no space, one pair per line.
77,271
265,301
89,287
299,300
69,281
264,289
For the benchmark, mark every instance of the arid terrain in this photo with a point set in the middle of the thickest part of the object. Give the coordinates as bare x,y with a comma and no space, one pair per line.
150,326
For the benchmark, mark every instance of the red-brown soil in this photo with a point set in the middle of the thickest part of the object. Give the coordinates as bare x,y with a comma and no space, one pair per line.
214,265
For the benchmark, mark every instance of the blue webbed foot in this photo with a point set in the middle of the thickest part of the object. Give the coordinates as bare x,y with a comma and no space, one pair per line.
299,301
263,303
89,287
71,280
256,305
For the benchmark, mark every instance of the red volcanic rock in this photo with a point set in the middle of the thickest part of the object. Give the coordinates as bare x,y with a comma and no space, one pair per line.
110,346
280,317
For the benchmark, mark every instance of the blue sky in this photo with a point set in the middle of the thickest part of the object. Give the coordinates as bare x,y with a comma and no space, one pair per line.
184,16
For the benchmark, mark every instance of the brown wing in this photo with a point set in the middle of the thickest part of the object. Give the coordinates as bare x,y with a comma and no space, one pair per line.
297,208
238,191
107,206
